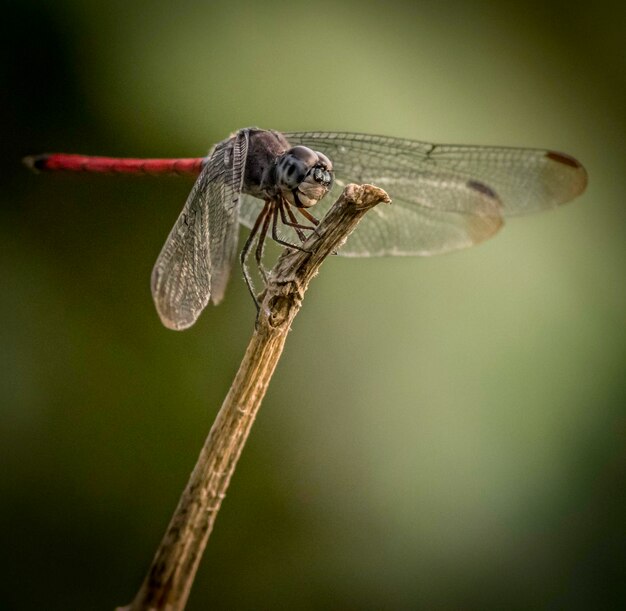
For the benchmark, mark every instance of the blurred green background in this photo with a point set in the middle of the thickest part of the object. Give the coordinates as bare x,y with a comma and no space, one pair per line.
442,433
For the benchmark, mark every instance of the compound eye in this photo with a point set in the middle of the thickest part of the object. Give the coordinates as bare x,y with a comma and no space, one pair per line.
322,176
324,161
292,170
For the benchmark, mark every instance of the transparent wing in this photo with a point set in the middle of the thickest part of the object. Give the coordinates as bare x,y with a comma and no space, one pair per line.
224,185
196,259
436,189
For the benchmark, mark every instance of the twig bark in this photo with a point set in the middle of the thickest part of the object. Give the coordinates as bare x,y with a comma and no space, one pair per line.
170,577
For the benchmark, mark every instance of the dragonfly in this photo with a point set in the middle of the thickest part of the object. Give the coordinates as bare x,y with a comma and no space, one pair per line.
445,197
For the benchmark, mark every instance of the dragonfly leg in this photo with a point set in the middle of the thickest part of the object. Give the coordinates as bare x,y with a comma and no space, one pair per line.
275,235
283,217
292,222
243,257
260,247
308,216
277,238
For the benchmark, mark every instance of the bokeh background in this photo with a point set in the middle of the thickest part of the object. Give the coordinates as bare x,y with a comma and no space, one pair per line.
442,433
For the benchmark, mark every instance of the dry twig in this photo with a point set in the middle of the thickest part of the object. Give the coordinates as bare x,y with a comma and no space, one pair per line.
169,580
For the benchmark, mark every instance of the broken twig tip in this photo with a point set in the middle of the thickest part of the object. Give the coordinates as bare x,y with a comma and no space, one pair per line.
366,196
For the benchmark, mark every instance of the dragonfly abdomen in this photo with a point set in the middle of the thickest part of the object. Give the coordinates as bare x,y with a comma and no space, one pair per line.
114,165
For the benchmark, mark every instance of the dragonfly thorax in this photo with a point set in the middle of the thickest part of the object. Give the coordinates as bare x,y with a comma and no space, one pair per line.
303,176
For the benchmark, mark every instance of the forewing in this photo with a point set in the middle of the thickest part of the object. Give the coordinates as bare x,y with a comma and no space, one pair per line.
197,256
526,180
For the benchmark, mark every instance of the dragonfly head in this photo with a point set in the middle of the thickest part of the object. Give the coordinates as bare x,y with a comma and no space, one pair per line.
303,176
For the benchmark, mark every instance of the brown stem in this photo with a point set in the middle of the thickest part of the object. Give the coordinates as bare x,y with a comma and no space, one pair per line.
170,577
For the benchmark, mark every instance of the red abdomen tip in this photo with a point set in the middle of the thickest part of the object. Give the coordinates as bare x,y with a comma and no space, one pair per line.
35,162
